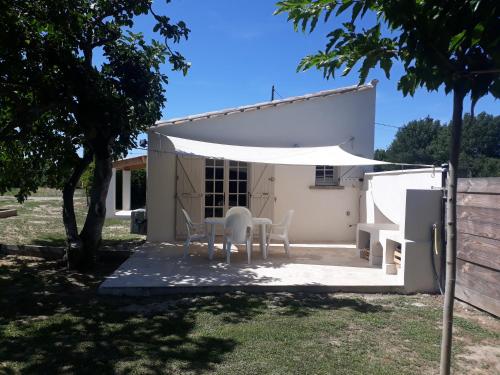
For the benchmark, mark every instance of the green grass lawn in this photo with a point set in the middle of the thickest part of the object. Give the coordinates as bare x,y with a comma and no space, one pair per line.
39,221
52,321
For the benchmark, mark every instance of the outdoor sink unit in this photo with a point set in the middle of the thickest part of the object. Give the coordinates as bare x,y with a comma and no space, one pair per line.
399,209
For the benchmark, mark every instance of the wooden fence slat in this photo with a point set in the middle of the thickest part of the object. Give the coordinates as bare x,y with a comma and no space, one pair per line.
478,278
479,185
481,214
477,299
478,200
480,250
488,230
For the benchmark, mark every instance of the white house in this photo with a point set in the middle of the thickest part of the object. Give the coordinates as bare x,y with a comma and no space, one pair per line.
326,198
310,153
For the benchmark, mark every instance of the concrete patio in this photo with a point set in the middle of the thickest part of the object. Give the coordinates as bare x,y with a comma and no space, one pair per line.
156,269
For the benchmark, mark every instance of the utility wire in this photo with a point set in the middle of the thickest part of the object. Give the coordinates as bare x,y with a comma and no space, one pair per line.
388,125
277,93
274,91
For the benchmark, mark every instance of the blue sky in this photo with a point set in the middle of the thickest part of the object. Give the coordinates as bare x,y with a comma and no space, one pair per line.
239,49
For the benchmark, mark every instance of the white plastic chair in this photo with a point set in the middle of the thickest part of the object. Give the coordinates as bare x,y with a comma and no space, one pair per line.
238,231
280,232
195,232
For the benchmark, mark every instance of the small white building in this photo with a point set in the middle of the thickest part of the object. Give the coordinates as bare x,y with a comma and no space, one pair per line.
264,157
326,199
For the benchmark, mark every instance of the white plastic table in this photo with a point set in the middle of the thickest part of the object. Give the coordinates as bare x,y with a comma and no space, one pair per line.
212,222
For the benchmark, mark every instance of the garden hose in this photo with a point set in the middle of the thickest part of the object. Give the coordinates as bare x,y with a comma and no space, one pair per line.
436,238
435,251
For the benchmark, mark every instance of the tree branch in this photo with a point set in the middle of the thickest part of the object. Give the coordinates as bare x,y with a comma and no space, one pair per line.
486,71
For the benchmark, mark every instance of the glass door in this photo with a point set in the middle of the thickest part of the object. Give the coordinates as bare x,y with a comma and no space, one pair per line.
226,186
237,184
214,188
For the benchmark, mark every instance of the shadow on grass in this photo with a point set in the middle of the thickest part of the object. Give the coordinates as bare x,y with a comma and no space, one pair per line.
240,307
52,321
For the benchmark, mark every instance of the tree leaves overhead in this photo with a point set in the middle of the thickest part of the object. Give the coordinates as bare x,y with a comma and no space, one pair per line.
438,42
76,78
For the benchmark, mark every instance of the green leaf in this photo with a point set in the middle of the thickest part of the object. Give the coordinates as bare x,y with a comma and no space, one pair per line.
456,40
386,65
346,4
477,33
355,10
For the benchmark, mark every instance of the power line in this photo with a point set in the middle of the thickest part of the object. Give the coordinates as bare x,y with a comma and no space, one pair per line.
388,125
277,93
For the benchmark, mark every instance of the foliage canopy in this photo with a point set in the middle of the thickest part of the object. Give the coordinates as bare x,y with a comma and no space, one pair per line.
77,82
437,42
425,141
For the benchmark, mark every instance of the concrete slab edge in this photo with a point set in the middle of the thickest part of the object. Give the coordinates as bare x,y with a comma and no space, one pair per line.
160,291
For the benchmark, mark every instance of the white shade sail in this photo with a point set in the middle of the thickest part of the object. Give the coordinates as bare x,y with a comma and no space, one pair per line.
324,155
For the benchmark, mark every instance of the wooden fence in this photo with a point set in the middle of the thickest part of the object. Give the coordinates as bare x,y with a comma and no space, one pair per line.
478,243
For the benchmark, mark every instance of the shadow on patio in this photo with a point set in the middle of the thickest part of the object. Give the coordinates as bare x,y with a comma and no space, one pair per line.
155,268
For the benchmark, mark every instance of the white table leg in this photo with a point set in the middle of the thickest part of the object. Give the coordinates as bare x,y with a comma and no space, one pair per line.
211,242
262,233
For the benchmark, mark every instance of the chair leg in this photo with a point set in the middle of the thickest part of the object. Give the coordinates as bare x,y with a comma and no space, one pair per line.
228,252
287,247
186,247
249,251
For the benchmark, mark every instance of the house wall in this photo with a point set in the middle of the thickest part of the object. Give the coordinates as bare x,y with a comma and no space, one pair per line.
385,192
321,121
160,196
321,215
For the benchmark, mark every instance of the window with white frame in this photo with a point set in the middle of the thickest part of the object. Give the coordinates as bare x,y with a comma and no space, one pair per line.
327,175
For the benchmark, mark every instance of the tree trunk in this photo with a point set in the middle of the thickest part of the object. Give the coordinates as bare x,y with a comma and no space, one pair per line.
451,225
92,230
74,244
